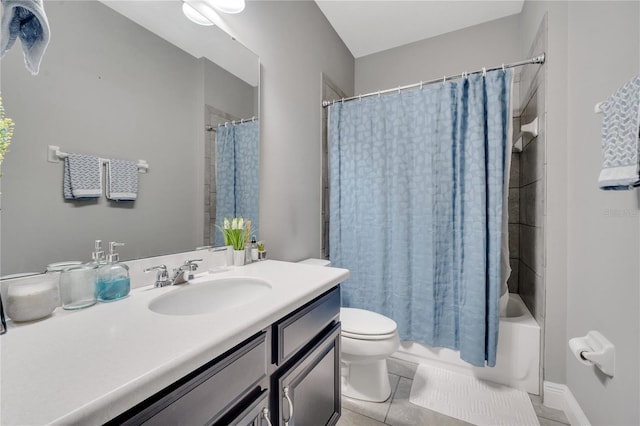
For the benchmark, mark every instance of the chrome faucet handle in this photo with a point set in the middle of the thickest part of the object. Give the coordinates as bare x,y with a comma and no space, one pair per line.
162,276
191,265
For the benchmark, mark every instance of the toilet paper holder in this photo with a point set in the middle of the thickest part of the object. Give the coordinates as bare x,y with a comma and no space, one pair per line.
595,349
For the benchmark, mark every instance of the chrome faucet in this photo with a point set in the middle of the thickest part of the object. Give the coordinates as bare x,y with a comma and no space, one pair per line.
181,274
162,276
185,272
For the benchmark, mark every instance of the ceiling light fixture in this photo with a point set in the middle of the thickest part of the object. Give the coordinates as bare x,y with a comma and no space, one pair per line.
194,16
227,6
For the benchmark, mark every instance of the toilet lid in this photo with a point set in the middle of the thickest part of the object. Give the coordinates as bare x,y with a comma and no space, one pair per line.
367,323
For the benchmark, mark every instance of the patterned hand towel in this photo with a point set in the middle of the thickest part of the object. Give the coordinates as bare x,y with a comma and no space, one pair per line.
122,180
620,138
82,177
25,19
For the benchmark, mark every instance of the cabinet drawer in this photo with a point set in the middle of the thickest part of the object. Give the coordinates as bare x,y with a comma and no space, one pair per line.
256,414
205,397
308,392
303,325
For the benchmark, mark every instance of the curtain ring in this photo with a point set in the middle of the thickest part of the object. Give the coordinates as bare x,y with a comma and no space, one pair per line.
378,93
398,90
503,68
444,80
342,101
420,84
360,97
484,71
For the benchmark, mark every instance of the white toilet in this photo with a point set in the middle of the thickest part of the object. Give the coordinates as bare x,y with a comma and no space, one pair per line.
366,341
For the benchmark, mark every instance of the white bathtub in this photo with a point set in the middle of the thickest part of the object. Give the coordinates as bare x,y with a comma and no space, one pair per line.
517,361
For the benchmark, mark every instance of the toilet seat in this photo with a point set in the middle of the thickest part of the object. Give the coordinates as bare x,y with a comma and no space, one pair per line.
367,336
366,325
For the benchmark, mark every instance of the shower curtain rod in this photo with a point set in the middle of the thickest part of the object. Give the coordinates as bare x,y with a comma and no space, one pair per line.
535,60
210,128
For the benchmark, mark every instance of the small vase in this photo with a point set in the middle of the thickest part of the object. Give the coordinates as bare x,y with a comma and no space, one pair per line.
238,257
229,256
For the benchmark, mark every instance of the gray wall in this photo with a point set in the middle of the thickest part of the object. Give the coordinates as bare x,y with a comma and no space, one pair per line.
226,92
604,281
469,49
98,94
592,247
296,45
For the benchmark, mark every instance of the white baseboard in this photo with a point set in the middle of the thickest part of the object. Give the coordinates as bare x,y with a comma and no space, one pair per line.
560,397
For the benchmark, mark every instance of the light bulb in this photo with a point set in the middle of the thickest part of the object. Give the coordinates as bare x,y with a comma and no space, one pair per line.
194,15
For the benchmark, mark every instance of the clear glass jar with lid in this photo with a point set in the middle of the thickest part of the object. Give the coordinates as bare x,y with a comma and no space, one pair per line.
78,286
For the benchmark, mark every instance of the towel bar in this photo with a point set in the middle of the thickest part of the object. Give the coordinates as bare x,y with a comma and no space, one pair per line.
54,155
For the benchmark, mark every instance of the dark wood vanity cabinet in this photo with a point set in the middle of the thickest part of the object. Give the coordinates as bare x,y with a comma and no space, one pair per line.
288,374
305,388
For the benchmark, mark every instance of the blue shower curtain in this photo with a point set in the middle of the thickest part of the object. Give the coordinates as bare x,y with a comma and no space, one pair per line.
237,161
416,193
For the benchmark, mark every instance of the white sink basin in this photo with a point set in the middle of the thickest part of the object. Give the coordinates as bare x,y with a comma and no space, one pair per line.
204,295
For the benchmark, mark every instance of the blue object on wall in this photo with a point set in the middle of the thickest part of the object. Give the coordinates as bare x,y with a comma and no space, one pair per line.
416,193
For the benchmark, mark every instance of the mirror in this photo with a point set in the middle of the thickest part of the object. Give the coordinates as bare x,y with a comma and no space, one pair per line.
150,86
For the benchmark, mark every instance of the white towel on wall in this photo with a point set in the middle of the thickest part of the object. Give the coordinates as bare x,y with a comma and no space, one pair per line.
82,177
25,19
122,180
620,138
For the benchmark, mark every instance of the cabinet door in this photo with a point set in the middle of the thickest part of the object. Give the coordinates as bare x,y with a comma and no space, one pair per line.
308,392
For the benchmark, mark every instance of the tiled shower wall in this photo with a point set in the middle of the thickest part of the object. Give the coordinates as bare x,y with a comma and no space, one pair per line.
527,186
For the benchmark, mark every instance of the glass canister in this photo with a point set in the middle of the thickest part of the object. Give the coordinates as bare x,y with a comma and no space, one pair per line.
78,286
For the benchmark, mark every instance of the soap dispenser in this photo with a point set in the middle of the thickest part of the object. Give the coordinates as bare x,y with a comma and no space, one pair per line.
254,249
98,257
113,277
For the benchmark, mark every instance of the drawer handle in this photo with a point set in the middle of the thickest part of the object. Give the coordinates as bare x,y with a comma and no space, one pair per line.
288,398
265,416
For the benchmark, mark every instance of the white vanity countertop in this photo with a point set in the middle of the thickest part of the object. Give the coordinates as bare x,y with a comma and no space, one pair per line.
90,365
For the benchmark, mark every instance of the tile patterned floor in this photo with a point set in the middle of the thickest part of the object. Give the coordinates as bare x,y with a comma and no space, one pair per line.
398,411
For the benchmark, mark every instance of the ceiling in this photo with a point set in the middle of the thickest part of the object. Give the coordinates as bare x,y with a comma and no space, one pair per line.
370,26
365,26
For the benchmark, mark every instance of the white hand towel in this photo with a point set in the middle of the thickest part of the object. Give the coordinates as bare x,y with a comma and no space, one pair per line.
82,177
620,139
27,20
122,180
